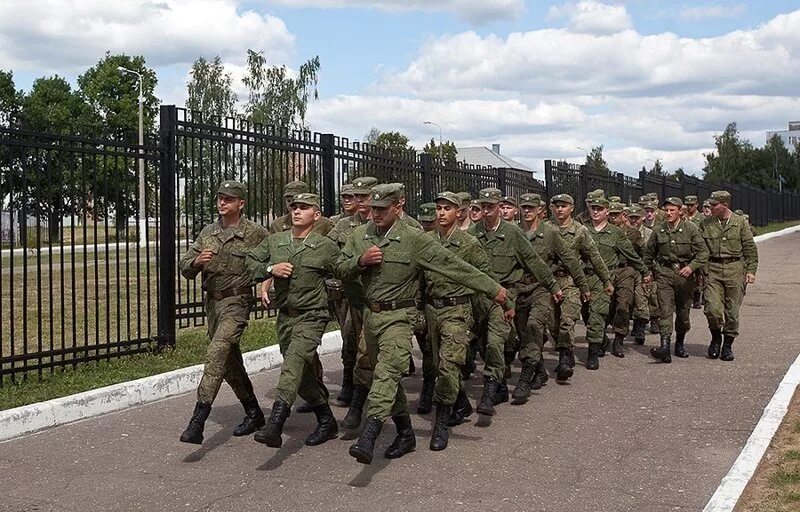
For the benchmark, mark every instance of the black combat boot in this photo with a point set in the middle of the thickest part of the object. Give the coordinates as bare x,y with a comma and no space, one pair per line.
194,432
592,362
716,341
523,389
461,409
352,419
253,419
638,331
571,357
304,408
603,347
680,350
501,396
270,435
441,433
412,368
362,450
662,353
346,393
327,428
696,300
727,350
540,377
486,405
563,369
426,396
654,328
616,347
405,441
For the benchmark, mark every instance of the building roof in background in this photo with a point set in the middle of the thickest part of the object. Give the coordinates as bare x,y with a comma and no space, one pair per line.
490,157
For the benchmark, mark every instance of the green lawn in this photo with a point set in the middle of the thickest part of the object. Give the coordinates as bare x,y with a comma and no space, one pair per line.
775,226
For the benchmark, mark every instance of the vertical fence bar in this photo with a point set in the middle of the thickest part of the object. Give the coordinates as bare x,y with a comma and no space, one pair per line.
328,175
426,164
167,252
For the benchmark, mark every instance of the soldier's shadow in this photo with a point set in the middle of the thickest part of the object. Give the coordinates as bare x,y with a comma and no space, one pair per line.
228,417
291,445
379,463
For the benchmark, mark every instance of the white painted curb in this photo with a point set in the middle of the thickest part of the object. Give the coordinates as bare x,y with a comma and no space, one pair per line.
732,485
38,416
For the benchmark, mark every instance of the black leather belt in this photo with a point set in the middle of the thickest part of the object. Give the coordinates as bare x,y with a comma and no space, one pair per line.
391,305
449,301
673,264
230,292
727,259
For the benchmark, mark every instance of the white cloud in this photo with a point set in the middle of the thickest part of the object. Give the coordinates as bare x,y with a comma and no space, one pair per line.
703,12
56,36
477,12
593,17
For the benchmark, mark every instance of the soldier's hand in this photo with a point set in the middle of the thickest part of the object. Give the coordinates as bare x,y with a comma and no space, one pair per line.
508,315
647,279
609,289
558,296
586,297
282,270
203,258
372,256
501,296
265,298
685,271
750,278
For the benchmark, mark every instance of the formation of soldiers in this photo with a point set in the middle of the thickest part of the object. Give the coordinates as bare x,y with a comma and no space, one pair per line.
484,277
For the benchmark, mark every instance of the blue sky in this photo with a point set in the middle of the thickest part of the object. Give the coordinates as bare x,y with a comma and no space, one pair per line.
647,79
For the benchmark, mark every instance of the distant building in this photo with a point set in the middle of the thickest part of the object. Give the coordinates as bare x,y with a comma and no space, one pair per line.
790,137
492,157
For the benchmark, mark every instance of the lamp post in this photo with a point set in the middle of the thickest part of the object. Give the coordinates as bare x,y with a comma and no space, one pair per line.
441,162
587,157
142,202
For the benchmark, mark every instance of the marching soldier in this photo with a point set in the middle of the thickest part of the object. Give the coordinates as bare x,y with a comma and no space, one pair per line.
349,206
641,309
475,212
463,222
508,209
284,222
218,254
427,216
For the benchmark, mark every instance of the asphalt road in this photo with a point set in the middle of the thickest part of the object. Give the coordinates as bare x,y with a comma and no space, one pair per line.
633,436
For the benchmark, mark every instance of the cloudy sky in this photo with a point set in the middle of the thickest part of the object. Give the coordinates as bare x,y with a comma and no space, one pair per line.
647,79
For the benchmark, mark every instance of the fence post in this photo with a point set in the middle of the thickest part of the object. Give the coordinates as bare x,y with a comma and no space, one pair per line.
328,174
426,163
548,179
584,182
502,181
167,260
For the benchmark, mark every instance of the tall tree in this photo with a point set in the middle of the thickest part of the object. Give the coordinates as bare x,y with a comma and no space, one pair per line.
595,161
210,90
394,142
449,153
658,168
10,98
736,161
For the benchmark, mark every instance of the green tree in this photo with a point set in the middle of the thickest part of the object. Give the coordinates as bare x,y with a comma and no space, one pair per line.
736,161
210,90
780,160
10,98
449,152
393,142
658,168
595,161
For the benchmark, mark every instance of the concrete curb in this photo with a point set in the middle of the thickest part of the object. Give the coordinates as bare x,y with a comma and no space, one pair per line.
34,417
733,484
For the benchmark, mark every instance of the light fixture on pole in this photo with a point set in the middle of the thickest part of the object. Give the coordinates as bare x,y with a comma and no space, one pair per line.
588,162
142,202
441,162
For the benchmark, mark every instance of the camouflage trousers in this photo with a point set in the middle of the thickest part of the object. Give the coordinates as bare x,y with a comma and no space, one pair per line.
641,308
387,338
301,371
449,336
623,299
599,307
674,298
495,333
534,309
652,299
421,334
349,334
724,293
227,319
566,313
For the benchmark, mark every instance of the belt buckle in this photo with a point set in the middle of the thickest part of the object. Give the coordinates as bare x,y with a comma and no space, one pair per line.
393,304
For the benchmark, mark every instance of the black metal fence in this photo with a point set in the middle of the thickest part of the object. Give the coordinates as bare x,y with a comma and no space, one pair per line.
78,285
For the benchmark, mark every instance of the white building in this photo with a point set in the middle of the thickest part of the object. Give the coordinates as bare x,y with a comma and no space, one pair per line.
790,137
492,157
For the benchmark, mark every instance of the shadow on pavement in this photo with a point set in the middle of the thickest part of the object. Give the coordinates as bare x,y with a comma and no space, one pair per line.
291,445
225,417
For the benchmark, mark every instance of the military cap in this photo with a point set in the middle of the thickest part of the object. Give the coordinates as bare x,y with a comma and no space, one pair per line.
490,195
690,200
465,198
635,211
615,207
652,196
530,200
450,197
232,188
346,190
738,212
643,200
706,204
306,198
402,188
294,187
615,199
363,185
674,201
510,200
475,203
650,205
720,196
562,198
385,194
594,194
746,217
598,201
427,212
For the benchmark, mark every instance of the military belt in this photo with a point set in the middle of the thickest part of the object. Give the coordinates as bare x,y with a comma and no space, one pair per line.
230,292
294,312
589,271
391,305
674,265
623,265
449,301
726,259
560,273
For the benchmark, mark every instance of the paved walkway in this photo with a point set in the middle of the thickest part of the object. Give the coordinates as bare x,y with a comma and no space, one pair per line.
634,436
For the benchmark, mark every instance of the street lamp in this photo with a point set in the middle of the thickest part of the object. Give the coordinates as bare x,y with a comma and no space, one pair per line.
589,162
142,203
441,162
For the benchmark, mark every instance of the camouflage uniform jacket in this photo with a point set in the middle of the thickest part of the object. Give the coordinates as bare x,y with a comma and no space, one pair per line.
577,237
554,251
284,223
731,239
616,249
677,247
467,248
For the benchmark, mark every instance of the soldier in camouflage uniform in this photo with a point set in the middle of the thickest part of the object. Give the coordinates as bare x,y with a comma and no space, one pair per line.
427,218
299,261
511,256
508,209
693,215
583,217
348,200
650,218
641,309
534,302
475,211
733,257
284,222
463,222
566,313
390,257
219,254
404,217
675,251
618,254
619,218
